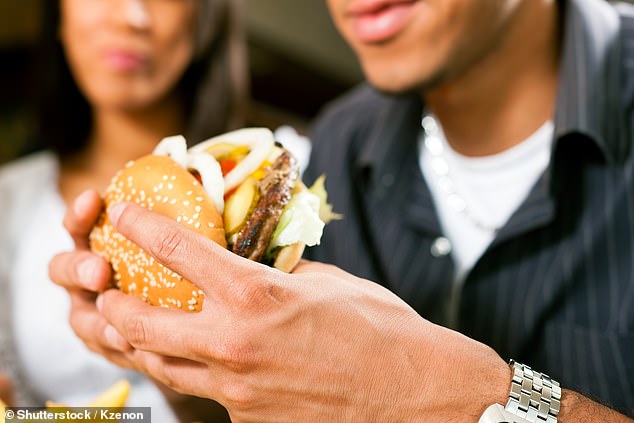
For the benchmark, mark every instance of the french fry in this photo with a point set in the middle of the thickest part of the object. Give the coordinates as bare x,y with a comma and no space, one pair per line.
114,397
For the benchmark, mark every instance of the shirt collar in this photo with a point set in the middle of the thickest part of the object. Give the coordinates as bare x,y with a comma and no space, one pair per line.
588,97
394,134
590,79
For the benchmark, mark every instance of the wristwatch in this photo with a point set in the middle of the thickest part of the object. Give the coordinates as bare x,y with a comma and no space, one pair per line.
534,398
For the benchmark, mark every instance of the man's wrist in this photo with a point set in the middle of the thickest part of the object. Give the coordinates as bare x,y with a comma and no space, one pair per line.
500,387
489,386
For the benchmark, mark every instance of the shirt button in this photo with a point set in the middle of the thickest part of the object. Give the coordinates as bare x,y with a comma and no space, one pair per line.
441,247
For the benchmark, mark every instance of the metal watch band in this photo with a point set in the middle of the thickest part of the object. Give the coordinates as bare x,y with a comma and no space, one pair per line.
534,396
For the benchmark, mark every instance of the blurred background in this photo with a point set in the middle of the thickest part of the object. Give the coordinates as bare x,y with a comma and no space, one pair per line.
298,62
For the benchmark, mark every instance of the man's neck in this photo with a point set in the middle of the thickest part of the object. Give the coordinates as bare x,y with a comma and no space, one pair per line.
506,96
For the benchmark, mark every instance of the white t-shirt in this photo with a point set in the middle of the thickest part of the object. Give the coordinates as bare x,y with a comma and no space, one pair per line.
488,189
56,364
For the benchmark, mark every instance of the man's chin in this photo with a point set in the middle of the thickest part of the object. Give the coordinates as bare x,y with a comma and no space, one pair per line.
399,86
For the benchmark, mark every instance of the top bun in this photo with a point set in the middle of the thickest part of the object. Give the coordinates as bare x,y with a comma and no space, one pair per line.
159,184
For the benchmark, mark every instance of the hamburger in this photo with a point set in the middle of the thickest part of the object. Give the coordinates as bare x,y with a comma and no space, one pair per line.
241,189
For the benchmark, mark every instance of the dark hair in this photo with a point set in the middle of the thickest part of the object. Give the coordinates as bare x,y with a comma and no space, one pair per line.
214,85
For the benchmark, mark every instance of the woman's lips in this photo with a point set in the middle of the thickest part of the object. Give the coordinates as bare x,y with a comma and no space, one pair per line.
377,21
124,61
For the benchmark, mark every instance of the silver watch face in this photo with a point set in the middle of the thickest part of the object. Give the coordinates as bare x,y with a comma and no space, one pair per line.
497,414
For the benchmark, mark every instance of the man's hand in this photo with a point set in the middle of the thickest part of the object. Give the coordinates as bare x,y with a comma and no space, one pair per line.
316,345
84,275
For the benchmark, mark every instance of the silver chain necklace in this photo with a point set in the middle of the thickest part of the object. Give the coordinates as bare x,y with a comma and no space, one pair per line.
435,147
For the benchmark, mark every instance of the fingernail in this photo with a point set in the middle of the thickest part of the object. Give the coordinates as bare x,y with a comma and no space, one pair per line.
99,302
114,212
82,203
115,340
86,272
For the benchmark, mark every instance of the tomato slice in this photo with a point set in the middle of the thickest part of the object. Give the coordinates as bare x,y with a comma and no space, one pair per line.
227,166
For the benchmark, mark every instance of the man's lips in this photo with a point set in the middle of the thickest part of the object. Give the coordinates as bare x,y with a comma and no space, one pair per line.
375,21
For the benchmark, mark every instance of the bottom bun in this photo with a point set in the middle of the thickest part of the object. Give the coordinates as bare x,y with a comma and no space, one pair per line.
288,257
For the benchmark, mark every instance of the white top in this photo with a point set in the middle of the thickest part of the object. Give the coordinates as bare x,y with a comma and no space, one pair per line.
54,362
488,189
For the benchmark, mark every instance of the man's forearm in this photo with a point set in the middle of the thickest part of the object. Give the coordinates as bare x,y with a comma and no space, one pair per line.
575,408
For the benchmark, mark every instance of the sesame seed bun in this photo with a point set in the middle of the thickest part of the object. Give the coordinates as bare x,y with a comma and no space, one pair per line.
160,184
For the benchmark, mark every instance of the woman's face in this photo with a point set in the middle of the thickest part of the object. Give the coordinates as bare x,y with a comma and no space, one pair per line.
127,54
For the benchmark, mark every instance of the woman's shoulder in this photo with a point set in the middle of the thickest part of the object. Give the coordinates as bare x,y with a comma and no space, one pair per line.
22,181
28,171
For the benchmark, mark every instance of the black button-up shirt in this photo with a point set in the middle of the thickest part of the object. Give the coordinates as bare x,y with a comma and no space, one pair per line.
555,289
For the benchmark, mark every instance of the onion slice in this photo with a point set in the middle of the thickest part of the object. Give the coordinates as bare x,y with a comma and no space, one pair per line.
174,147
259,140
211,176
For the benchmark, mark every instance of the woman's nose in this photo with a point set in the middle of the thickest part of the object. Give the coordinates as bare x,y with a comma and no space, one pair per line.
133,12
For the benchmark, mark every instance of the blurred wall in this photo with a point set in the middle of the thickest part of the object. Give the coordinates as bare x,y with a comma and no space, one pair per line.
299,62
18,25
18,22
303,31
